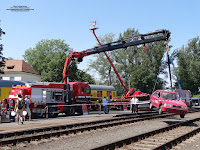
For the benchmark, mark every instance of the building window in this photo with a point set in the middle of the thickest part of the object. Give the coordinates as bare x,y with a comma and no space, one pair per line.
10,67
12,78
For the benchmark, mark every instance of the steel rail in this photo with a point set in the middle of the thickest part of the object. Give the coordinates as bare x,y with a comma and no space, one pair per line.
167,145
47,132
175,141
69,126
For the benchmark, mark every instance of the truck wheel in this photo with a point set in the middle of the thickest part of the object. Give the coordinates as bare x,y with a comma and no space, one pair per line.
160,110
80,112
89,108
40,111
182,115
52,112
121,108
71,111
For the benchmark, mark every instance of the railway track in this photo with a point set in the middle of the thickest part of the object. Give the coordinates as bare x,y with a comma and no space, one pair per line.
13,138
164,138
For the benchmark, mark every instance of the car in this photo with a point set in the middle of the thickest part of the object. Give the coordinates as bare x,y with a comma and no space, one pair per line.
168,101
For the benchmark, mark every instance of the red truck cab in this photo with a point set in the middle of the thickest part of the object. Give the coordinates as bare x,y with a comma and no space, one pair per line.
81,92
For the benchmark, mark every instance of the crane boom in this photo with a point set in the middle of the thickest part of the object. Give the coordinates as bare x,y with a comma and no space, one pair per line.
144,38
118,76
158,35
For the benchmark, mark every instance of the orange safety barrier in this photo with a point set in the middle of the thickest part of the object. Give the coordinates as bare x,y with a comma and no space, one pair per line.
84,109
124,106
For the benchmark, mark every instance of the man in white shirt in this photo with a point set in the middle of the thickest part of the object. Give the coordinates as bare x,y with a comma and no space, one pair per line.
105,106
134,104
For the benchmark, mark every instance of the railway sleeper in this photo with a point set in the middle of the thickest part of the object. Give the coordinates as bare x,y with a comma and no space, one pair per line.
45,129
151,135
179,139
55,131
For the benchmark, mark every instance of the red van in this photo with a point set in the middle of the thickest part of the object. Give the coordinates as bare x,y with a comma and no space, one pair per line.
168,101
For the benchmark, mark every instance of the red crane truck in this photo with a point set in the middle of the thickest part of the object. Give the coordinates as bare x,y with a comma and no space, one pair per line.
66,97
158,35
53,96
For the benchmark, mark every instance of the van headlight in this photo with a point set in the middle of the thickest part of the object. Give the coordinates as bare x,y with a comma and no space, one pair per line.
169,105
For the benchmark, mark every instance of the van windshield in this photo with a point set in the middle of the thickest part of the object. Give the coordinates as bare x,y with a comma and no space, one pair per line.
171,96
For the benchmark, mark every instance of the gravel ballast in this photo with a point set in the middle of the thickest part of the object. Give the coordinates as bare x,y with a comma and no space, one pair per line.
96,138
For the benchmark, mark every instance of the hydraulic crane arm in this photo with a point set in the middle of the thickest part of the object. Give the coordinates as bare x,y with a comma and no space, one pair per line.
145,38
118,76
158,35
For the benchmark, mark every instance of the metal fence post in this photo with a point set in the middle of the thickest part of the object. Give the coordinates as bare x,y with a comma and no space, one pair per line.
47,114
99,109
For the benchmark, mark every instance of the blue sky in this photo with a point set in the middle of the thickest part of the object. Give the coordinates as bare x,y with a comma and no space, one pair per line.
70,20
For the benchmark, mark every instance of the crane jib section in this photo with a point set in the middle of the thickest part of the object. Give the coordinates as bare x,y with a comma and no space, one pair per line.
158,35
144,38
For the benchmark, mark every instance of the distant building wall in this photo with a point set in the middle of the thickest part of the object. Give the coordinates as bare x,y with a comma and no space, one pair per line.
20,76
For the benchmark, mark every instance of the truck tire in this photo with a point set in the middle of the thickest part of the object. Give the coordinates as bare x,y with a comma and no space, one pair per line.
40,113
52,112
70,111
182,115
80,111
121,108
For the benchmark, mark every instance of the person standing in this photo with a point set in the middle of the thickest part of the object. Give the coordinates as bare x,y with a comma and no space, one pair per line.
109,101
27,104
19,107
105,106
134,104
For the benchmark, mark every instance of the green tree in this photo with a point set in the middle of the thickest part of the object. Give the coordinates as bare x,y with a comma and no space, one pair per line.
137,69
2,59
79,75
126,59
188,70
48,58
144,73
101,64
10,58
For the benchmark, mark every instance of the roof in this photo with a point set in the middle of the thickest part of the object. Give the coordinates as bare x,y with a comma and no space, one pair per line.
168,91
18,66
195,98
102,87
9,83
